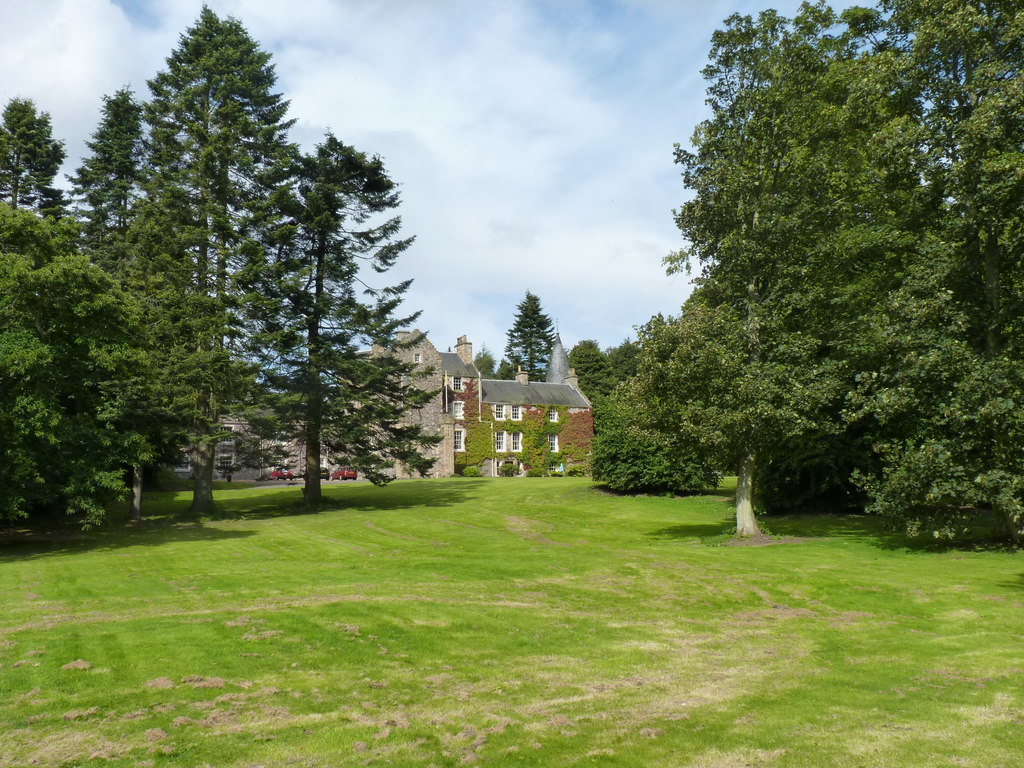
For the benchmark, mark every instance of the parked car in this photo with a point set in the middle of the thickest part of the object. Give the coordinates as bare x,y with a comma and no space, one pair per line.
282,473
345,473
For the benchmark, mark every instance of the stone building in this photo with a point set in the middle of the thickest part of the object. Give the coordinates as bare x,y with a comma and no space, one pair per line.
486,423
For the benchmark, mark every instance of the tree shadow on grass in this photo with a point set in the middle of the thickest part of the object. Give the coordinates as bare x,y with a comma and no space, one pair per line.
362,498
691,531
33,542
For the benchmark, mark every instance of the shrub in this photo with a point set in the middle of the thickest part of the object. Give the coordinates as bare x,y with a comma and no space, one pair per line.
555,474
508,470
631,458
535,472
576,470
471,472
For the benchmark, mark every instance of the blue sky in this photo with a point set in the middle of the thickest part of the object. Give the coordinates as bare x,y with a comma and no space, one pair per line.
533,140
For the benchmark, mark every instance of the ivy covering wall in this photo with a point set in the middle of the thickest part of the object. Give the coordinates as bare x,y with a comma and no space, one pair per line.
575,430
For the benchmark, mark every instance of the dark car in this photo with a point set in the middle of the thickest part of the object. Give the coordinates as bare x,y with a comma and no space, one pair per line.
282,473
345,473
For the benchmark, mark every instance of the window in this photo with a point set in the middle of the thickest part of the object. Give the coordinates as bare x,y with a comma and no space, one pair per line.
457,383
553,416
499,442
459,409
517,413
499,411
553,443
417,357
517,441
460,440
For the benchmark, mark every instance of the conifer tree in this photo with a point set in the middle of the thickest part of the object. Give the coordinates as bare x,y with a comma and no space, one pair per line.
29,158
317,322
108,183
530,338
219,158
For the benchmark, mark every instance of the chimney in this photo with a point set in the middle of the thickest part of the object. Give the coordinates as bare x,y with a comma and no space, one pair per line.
572,379
522,376
464,349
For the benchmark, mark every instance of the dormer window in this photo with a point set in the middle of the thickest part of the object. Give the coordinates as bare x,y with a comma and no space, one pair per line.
553,416
517,413
499,411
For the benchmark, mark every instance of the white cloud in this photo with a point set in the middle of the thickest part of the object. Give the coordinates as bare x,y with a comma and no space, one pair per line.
532,140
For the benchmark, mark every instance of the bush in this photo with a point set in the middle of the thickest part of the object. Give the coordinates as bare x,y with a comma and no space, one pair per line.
535,472
555,474
576,470
508,470
630,458
471,472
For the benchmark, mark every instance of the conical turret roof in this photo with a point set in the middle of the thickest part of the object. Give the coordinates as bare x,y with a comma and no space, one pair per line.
558,367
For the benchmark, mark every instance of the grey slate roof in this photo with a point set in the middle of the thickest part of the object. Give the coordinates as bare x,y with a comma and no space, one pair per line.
452,364
534,393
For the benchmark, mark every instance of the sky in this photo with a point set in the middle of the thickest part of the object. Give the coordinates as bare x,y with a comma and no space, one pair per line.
532,139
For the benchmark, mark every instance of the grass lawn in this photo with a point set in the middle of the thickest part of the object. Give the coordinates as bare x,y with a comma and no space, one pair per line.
518,622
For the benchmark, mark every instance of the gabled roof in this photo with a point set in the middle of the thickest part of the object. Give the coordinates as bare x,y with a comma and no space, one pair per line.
534,393
452,364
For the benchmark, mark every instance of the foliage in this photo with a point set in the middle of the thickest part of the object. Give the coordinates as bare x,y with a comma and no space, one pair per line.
530,338
71,372
316,323
108,183
576,470
536,472
485,362
508,469
592,368
29,158
219,161
471,472
630,457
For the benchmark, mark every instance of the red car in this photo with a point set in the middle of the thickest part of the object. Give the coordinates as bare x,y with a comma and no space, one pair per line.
345,473
282,473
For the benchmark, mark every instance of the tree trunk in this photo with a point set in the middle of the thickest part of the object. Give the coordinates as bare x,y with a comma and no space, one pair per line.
746,523
135,505
202,474
311,489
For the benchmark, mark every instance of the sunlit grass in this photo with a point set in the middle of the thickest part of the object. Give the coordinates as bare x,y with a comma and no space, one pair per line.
503,622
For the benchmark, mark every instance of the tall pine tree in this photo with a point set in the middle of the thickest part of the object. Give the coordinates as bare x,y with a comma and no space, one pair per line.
29,158
317,320
530,338
219,158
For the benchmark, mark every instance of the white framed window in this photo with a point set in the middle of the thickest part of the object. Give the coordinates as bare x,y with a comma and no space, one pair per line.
417,357
553,416
517,413
460,439
553,443
552,467
516,439
459,409
499,442
499,411
457,383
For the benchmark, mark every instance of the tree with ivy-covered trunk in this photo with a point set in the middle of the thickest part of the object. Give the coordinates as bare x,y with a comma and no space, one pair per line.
29,158
530,338
220,164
